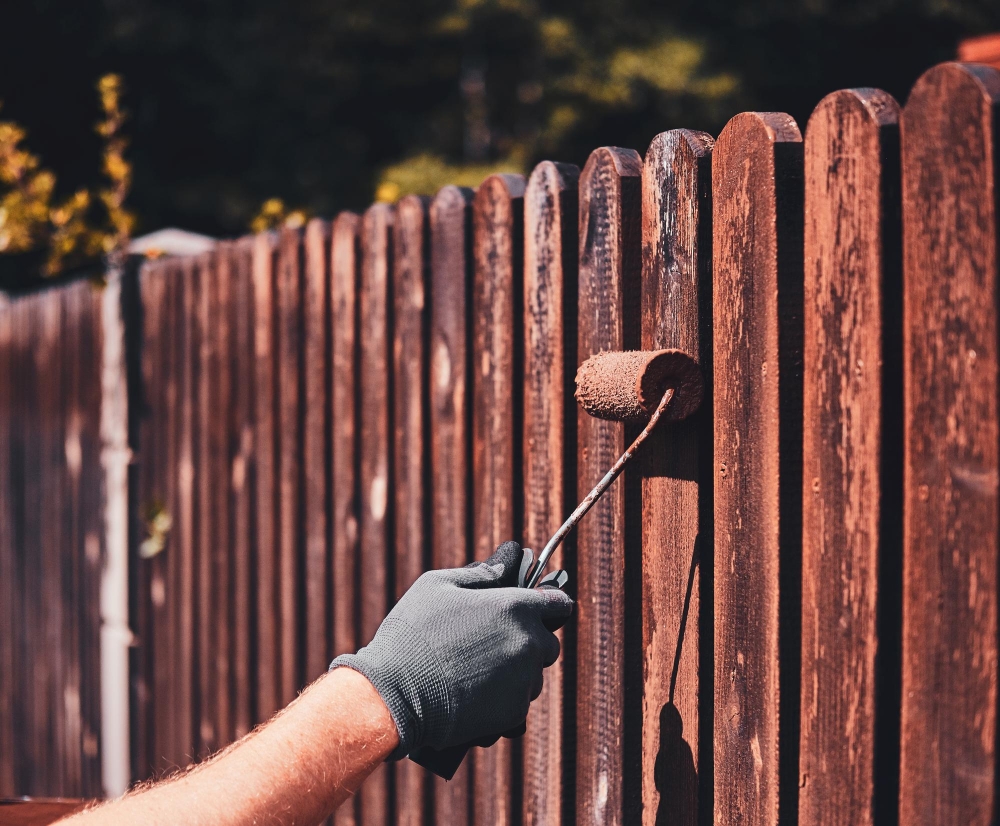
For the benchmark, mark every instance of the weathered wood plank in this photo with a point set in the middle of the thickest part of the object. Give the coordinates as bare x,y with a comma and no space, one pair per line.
187,471
757,250
498,263
242,450
410,466
219,420
375,454
8,589
291,515
450,445
266,475
205,452
851,262
316,450
948,764
549,450
608,319
345,274
676,468
92,530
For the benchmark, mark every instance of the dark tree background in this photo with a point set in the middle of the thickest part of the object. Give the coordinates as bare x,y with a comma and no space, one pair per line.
324,103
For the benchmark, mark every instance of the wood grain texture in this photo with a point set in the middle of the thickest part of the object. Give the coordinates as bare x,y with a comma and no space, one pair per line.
188,512
948,762
549,450
316,457
345,268
410,288
242,361
608,319
375,453
852,216
8,564
149,620
757,297
291,516
676,468
266,470
450,217
220,422
498,261
206,457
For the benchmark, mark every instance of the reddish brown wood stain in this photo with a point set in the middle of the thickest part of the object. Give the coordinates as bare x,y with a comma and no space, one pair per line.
851,140
609,269
497,232
376,473
949,144
450,218
757,247
409,364
265,475
676,501
345,271
550,253
316,450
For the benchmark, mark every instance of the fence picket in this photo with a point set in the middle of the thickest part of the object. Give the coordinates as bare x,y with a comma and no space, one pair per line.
450,217
850,420
410,467
376,472
948,763
550,264
757,251
316,450
266,474
676,469
345,269
497,238
610,205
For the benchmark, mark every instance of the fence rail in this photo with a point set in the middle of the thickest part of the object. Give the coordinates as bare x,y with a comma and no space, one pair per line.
786,610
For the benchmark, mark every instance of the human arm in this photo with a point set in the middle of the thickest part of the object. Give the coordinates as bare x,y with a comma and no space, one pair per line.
296,769
457,662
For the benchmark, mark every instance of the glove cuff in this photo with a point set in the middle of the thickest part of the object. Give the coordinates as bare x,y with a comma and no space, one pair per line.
417,697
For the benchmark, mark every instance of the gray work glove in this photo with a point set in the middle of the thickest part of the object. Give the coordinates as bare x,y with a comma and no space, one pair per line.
461,655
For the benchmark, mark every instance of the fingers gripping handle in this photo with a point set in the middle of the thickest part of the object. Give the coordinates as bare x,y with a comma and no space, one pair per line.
445,762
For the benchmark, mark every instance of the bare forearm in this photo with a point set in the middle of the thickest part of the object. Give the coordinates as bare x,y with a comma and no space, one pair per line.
295,770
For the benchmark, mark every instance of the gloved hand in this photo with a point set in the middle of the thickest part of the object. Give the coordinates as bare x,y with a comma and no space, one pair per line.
461,655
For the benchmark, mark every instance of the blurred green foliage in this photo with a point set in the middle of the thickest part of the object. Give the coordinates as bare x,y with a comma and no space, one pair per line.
326,103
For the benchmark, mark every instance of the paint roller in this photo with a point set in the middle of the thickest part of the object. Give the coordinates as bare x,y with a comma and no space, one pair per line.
631,386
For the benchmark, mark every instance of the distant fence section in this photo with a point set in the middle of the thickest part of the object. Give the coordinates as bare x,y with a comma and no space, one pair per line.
786,608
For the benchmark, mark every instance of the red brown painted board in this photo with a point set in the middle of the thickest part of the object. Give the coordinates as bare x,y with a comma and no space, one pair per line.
316,449
450,218
266,475
345,268
219,421
410,468
188,512
498,261
208,487
676,482
550,261
375,454
948,763
608,319
291,514
8,617
241,358
851,209
757,295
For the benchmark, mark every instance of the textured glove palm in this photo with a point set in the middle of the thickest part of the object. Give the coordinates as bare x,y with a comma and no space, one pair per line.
460,657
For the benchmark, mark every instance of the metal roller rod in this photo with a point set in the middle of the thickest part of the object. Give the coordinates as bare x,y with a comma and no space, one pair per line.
597,492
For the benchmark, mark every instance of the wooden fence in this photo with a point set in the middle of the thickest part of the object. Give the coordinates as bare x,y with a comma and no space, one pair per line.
786,612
